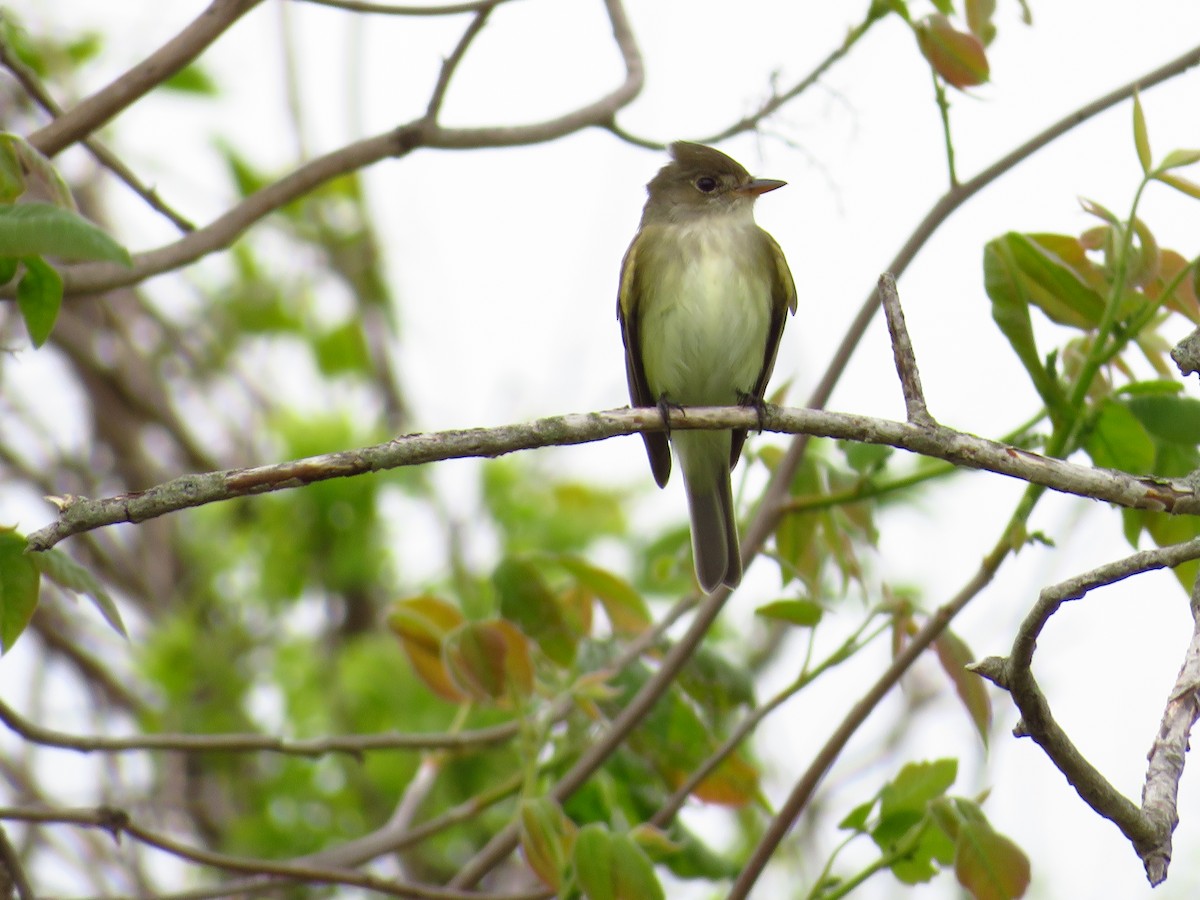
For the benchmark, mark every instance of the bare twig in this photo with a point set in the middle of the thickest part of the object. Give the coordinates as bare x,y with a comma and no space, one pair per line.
391,9
13,871
906,360
118,823
807,785
249,743
93,277
33,86
79,514
451,64
1148,828
94,111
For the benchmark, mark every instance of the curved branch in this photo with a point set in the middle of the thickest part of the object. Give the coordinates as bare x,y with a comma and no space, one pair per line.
94,111
391,9
33,87
1148,828
222,232
117,822
219,234
79,514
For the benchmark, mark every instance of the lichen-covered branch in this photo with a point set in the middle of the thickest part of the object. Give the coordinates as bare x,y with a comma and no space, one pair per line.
1149,827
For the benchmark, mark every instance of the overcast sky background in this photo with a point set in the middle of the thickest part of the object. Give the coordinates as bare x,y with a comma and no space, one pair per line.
505,263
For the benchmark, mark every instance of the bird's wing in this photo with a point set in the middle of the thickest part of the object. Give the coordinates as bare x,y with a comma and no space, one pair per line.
629,313
783,301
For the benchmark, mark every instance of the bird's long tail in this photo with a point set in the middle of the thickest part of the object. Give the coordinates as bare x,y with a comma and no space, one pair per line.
704,459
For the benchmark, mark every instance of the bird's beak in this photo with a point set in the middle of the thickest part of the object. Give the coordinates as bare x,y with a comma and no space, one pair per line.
760,186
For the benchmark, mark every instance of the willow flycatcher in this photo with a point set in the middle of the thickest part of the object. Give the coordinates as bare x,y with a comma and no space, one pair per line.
703,297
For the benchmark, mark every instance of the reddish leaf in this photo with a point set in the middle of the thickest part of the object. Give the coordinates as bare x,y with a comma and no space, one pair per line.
547,838
988,864
422,623
954,655
957,57
474,656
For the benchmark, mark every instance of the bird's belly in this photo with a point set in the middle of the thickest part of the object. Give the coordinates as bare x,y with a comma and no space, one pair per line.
704,340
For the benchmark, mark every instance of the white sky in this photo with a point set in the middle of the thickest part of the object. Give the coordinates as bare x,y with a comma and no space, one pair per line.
505,263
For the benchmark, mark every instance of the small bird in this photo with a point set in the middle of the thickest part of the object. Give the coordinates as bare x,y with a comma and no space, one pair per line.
702,302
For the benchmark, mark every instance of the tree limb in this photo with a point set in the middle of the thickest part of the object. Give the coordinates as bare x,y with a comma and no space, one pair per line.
79,514
355,745
94,111
118,822
1148,828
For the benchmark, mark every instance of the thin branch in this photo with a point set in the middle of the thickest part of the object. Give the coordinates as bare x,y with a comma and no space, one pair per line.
832,749
118,823
1160,795
943,104
13,871
28,79
221,233
1148,828
389,9
79,514
451,64
93,112
250,743
752,121
902,350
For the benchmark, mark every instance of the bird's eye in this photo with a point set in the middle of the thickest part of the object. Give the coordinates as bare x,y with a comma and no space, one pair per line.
706,184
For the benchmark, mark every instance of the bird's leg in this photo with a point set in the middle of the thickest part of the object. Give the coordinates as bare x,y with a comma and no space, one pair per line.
747,398
664,409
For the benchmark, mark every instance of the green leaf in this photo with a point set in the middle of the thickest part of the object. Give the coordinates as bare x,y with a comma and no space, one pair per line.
41,229
625,607
866,459
343,350
24,169
954,655
19,583
979,19
1141,140
856,819
8,268
715,683
547,836
1177,159
1010,311
527,601
1119,440
1169,417
907,795
1181,184
613,867
805,613
12,178
66,573
39,297
191,79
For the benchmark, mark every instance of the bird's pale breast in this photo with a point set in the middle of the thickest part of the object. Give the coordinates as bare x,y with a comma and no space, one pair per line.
704,326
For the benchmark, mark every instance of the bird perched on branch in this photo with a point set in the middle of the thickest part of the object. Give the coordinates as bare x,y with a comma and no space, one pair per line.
702,302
